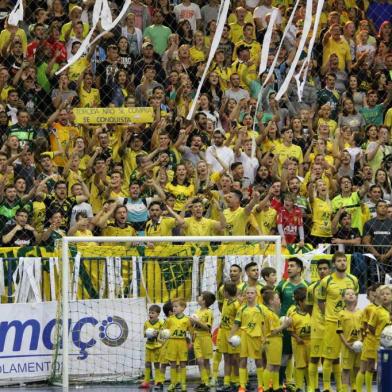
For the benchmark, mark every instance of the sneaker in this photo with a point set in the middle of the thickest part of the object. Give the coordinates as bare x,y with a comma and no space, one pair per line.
183,388
201,388
241,389
171,388
158,387
225,388
260,389
144,385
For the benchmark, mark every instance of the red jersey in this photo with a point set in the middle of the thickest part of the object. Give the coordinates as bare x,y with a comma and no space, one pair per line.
291,221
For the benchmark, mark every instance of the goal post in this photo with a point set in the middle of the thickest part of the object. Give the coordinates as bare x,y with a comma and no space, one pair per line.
70,301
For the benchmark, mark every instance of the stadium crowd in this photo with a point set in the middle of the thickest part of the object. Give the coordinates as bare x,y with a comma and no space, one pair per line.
316,170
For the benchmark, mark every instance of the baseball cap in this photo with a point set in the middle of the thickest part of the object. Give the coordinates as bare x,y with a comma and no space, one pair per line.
146,45
221,131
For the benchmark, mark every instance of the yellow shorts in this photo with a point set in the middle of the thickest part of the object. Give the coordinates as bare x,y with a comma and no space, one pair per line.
152,355
369,348
317,332
222,344
301,353
316,347
177,350
250,347
203,347
349,359
273,350
332,342
162,353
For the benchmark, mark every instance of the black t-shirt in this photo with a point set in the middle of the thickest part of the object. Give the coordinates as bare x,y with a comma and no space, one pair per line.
107,71
380,231
22,237
139,67
53,204
348,234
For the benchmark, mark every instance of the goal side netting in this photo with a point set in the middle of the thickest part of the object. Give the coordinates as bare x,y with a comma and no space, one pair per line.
108,283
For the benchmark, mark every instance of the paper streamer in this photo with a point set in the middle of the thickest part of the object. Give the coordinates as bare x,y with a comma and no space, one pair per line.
101,13
305,32
214,47
306,63
16,14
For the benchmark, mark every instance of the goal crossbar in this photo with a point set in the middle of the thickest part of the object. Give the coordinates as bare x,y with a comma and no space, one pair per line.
65,241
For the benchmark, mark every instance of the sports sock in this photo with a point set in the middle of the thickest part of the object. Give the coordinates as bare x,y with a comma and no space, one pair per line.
290,371
327,370
267,379
215,364
182,378
158,376
275,380
368,381
173,376
204,376
352,379
313,376
299,378
337,371
147,375
226,380
359,381
243,377
259,373
344,388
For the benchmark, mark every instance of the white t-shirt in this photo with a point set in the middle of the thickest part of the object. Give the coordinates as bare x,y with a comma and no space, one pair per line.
190,13
250,166
262,11
82,207
226,155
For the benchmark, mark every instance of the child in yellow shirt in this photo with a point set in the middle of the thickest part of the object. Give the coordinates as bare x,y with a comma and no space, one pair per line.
202,322
151,331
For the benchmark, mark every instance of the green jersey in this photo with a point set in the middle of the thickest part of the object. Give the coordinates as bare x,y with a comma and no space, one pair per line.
286,290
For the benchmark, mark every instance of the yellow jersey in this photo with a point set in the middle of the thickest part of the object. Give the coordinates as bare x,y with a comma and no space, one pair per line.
205,317
250,319
236,221
179,326
301,323
202,227
266,220
272,322
182,193
254,49
367,314
340,48
381,318
285,152
111,230
331,291
153,343
317,318
197,55
64,134
322,218
229,312
259,286
90,99
162,228
349,324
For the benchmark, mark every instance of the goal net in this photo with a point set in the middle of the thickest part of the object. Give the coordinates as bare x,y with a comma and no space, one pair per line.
108,283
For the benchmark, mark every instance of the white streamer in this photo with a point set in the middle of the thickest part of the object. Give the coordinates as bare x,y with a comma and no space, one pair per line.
214,47
195,277
16,14
101,13
75,280
2,283
133,286
301,85
305,32
53,262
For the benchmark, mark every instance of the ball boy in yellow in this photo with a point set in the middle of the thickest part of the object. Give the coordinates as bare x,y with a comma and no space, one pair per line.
177,347
202,322
369,349
273,329
249,320
230,308
349,330
300,336
153,345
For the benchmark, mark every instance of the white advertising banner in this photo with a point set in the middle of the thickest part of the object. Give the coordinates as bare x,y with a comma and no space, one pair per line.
105,338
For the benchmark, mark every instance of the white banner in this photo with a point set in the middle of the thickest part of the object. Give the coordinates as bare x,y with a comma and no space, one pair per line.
106,338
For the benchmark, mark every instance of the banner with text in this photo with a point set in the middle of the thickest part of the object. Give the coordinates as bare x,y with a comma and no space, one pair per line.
99,330
113,115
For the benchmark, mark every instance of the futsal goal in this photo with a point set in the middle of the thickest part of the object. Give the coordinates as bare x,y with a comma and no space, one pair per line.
108,283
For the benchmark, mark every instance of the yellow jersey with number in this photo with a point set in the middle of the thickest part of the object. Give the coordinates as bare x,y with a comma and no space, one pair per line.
331,291
250,319
301,323
380,319
317,318
272,322
162,228
202,227
266,220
